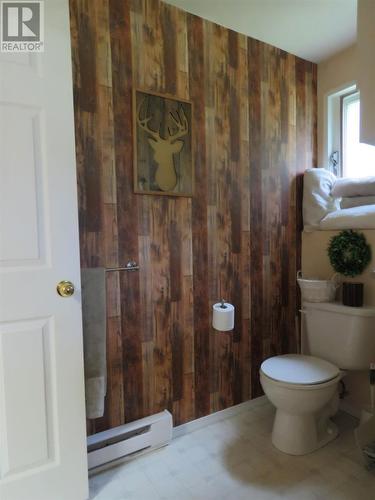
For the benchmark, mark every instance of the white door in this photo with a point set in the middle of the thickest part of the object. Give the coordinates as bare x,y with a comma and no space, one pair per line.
42,415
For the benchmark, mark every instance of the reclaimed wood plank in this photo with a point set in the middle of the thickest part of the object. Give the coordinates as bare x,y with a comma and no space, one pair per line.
199,219
121,54
256,224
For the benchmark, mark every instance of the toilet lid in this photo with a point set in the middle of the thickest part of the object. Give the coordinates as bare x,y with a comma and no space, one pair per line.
299,369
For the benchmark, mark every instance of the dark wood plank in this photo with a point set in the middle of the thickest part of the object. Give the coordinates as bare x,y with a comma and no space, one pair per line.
168,29
121,60
162,306
177,361
199,220
256,224
131,347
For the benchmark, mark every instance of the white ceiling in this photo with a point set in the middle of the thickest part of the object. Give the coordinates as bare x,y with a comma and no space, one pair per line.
311,29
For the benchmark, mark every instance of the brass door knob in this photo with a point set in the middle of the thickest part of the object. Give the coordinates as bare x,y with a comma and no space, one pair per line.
65,288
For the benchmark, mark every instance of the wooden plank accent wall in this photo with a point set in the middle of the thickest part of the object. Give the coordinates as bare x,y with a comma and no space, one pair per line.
238,237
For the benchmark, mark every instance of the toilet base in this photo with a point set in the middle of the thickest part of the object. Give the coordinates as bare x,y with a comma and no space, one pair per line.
302,434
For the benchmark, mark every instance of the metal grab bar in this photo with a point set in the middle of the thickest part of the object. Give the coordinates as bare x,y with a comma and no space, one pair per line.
130,266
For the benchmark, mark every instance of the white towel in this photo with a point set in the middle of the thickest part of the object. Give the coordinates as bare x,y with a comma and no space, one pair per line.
350,218
95,388
94,339
351,186
317,199
357,201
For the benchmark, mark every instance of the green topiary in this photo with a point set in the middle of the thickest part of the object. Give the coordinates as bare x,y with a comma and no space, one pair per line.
349,253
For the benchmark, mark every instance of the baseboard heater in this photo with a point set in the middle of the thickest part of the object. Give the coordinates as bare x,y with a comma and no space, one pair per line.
130,439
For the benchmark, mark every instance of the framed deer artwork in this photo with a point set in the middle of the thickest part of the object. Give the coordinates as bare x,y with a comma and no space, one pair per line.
163,156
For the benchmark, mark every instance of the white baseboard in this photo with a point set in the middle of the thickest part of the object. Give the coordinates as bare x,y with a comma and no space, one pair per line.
199,423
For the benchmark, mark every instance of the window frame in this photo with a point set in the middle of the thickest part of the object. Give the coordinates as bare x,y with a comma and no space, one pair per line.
349,97
332,126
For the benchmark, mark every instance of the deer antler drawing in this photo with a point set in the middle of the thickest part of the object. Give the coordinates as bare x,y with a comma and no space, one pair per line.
164,149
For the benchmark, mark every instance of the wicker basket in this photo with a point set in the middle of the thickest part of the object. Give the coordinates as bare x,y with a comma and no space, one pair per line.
313,290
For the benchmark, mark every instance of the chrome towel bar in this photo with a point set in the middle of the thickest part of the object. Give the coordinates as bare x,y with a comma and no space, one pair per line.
130,266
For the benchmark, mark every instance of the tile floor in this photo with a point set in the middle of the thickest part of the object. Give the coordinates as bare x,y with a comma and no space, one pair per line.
234,459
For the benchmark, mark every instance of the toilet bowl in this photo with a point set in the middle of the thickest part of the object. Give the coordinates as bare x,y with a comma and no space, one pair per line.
304,390
303,387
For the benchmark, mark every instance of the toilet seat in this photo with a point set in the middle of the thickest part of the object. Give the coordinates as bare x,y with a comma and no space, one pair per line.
298,369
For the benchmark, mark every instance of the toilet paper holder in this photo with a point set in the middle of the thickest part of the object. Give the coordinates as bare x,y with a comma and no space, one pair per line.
223,306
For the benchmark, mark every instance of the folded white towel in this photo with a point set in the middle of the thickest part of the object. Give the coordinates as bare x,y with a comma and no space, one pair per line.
350,218
317,199
357,201
350,187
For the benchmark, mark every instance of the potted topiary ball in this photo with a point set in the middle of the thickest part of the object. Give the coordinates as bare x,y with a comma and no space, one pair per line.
350,254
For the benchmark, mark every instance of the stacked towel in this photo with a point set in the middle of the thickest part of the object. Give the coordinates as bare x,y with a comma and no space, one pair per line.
317,198
350,187
357,201
355,192
322,195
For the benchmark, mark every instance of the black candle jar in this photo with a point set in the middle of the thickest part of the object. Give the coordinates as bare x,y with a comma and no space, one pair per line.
352,294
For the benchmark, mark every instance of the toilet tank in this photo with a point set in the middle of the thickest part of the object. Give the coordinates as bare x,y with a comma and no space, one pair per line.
340,334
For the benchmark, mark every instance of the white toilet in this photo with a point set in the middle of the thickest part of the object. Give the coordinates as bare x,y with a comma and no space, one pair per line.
304,387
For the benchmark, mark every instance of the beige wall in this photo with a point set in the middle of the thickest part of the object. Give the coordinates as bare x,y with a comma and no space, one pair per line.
337,72
315,263
366,68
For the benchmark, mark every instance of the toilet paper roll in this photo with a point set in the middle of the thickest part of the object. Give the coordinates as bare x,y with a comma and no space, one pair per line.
223,317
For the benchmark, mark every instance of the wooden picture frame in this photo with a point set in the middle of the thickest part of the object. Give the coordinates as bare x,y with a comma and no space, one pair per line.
163,146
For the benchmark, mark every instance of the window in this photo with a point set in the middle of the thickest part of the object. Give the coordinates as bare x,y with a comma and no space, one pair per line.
358,159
